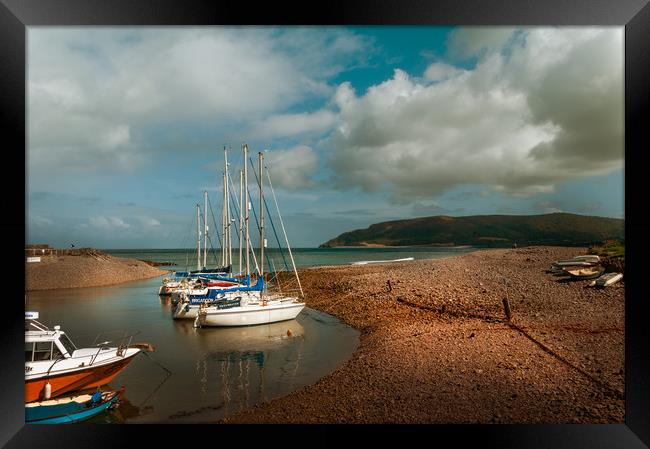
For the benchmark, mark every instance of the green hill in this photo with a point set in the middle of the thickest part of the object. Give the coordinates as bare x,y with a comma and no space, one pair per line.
486,230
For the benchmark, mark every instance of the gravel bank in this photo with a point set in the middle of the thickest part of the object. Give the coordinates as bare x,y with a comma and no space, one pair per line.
436,347
85,271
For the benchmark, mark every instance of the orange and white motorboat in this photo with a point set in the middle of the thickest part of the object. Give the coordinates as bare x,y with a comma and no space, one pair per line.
55,366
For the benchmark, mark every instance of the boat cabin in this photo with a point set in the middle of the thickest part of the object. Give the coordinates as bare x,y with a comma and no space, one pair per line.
43,344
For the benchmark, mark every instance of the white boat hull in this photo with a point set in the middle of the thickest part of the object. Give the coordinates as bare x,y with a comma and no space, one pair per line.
250,315
608,279
181,311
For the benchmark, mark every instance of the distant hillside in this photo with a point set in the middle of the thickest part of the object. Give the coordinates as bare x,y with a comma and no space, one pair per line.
486,230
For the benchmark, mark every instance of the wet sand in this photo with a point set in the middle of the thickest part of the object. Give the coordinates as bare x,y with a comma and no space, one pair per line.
87,270
436,346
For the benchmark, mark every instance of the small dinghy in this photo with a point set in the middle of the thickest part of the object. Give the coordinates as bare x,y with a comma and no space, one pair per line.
577,261
585,272
607,279
572,263
587,258
71,409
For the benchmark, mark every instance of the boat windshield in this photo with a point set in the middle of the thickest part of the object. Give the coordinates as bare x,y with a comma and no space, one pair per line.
67,344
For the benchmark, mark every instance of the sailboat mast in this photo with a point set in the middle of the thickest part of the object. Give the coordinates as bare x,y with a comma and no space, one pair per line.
248,267
198,237
261,160
241,215
205,228
228,222
223,223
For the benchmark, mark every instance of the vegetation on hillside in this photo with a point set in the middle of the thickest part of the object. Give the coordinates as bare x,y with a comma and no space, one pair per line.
487,230
612,254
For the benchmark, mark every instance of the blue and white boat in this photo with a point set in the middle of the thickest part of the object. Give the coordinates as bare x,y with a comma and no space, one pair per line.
185,305
71,409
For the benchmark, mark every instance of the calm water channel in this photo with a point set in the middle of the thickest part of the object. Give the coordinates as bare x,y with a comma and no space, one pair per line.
215,372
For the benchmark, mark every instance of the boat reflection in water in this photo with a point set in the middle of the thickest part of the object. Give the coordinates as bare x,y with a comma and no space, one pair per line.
124,411
209,372
241,366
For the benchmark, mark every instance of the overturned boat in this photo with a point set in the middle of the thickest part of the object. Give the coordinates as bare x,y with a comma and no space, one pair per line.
607,279
585,272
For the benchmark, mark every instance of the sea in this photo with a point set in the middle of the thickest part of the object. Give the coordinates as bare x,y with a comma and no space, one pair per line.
280,259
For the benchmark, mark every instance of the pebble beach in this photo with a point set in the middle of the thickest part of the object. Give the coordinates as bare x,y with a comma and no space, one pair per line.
93,269
436,345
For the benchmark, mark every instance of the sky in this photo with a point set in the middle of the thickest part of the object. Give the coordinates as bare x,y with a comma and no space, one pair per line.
127,125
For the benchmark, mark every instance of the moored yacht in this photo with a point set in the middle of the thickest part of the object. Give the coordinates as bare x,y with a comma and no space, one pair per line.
262,308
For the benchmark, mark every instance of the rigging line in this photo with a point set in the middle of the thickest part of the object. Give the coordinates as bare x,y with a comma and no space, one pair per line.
214,220
276,278
212,248
235,202
250,243
214,251
258,226
293,262
284,260
268,213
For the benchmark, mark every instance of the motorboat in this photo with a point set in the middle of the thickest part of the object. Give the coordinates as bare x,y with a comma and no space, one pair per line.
55,366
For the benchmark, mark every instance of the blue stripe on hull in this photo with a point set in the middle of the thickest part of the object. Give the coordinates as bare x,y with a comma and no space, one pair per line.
73,412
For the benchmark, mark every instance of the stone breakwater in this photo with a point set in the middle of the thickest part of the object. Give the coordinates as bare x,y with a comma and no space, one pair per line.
90,269
436,346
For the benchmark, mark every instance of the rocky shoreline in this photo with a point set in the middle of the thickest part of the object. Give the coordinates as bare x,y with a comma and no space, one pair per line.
436,346
88,269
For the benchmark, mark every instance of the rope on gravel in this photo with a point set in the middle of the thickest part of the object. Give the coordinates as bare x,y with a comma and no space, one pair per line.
607,389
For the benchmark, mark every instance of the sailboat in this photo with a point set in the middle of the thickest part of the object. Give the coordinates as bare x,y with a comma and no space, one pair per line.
221,291
185,281
247,310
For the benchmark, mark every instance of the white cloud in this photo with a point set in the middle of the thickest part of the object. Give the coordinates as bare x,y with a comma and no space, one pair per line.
440,71
94,93
514,124
284,125
148,221
548,206
292,168
107,223
40,221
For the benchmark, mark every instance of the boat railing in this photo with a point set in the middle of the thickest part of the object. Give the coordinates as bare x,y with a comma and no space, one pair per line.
38,325
122,341
62,357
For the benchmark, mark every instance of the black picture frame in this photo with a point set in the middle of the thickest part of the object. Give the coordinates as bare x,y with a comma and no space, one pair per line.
16,15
